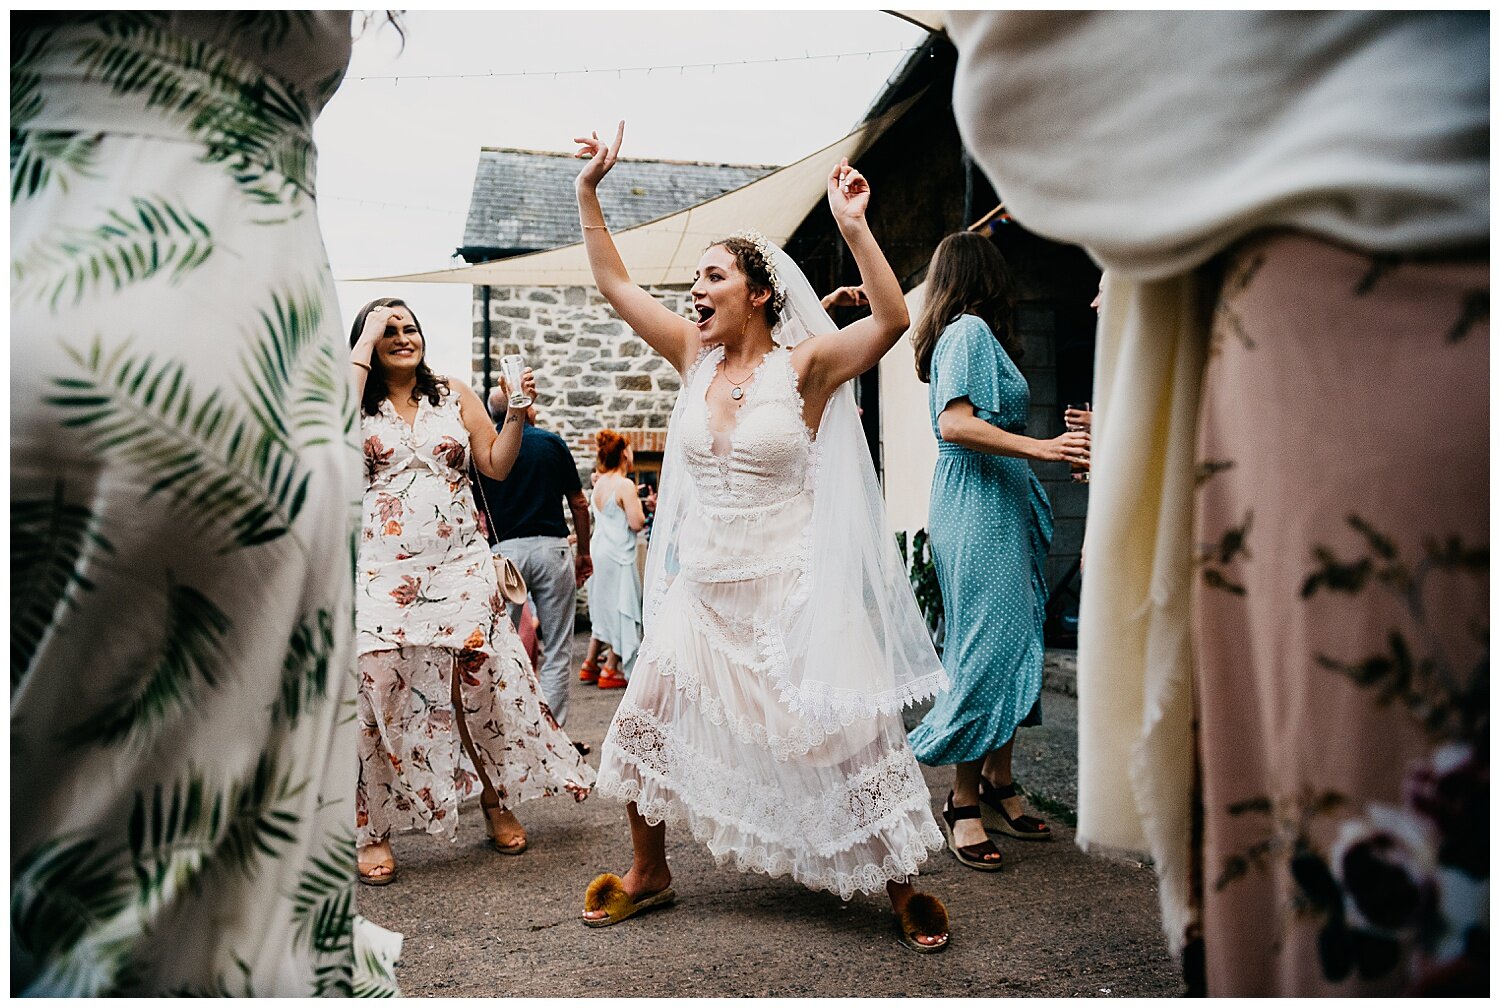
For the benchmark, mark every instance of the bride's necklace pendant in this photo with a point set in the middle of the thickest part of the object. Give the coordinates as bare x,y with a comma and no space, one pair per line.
736,393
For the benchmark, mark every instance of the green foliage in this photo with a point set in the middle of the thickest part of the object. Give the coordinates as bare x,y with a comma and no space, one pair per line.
257,127
372,978
152,237
179,837
1413,669
217,466
48,541
323,907
291,364
304,671
37,156
323,916
922,572
60,891
270,27
192,650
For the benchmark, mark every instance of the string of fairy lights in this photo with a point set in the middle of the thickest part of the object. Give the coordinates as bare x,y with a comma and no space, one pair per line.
621,71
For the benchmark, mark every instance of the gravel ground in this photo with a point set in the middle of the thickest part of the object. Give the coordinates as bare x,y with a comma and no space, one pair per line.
1054,922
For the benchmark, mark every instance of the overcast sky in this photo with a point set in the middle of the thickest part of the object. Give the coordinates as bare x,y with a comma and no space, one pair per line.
397,157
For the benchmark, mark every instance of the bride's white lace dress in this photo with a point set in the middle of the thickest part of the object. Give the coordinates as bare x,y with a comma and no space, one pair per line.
702,735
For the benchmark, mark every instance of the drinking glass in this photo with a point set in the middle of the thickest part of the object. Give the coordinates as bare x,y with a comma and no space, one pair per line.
1080,470
512,366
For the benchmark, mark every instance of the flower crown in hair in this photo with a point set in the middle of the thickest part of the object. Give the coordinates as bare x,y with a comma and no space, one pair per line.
763,249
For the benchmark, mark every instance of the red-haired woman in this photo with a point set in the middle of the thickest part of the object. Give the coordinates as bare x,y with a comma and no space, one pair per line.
615,587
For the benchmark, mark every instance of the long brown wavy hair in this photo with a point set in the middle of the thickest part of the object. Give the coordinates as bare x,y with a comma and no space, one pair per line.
431,385
968,276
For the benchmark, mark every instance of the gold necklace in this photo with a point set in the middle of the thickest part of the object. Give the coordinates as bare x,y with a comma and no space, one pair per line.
736,392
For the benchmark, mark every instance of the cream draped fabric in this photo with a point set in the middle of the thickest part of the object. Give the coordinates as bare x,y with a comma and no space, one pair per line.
1155,141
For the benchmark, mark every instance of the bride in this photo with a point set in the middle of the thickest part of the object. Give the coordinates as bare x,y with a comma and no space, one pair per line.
781,637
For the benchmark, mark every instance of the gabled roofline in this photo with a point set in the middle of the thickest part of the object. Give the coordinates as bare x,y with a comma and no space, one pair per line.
626,160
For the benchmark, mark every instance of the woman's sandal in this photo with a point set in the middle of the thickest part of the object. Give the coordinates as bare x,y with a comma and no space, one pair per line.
976,856
588,672
607,893
390,875
923,915
611,679
511,848
1022,827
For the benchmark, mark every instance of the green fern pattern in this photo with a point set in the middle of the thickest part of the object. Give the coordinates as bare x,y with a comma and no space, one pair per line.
226,453
323,916
323,907
304,673
183,836
290,364
192,650
259,129
213,462
59,892
38,157
48,542
152,237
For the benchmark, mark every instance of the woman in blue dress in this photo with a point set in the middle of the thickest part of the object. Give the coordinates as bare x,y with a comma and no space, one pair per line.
990,526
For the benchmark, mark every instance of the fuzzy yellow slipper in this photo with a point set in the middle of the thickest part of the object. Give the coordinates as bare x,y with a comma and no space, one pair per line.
923,915
607,893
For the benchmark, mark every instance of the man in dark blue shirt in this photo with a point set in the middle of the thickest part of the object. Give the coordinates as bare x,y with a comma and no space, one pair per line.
526,509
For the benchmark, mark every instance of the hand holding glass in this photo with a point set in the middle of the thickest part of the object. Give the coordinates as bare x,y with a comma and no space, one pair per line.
1079,468
513,367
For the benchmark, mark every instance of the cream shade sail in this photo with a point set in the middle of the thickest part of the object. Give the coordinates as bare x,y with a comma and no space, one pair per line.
932,20
666,250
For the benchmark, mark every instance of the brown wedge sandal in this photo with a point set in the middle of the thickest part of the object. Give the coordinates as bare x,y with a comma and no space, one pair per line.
996,820
389,864
923,915
607,893
515,847
983,856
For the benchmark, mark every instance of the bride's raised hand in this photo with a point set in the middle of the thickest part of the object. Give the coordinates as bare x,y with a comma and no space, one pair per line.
848,193
601,158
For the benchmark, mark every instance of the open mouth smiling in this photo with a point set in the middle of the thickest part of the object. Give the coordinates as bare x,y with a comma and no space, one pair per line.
704,314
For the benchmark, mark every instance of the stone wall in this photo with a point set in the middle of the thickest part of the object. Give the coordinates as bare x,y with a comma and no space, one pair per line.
592,371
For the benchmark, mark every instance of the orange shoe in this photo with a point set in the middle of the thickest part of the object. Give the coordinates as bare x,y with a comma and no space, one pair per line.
611,679
588,672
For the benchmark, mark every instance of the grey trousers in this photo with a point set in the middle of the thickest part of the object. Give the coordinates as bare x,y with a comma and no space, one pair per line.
546,562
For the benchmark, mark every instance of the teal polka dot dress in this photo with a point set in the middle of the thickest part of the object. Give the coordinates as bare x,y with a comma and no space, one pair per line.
990,526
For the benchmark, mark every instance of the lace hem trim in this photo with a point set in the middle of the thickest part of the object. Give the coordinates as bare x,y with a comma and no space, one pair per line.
900,866
838,708
772,859
747,512
732,569
879,798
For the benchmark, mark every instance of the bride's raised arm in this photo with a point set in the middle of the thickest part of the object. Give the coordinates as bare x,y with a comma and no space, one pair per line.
834,358
669,334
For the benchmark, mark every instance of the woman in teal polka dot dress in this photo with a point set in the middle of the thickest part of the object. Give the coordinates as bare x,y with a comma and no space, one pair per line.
990,526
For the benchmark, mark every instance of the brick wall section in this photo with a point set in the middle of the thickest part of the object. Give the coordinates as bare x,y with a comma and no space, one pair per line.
592,371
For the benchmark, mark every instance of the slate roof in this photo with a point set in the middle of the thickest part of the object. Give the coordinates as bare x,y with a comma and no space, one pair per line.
523,200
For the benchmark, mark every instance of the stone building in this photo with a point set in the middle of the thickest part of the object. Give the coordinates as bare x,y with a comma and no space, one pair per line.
596,373
592,370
